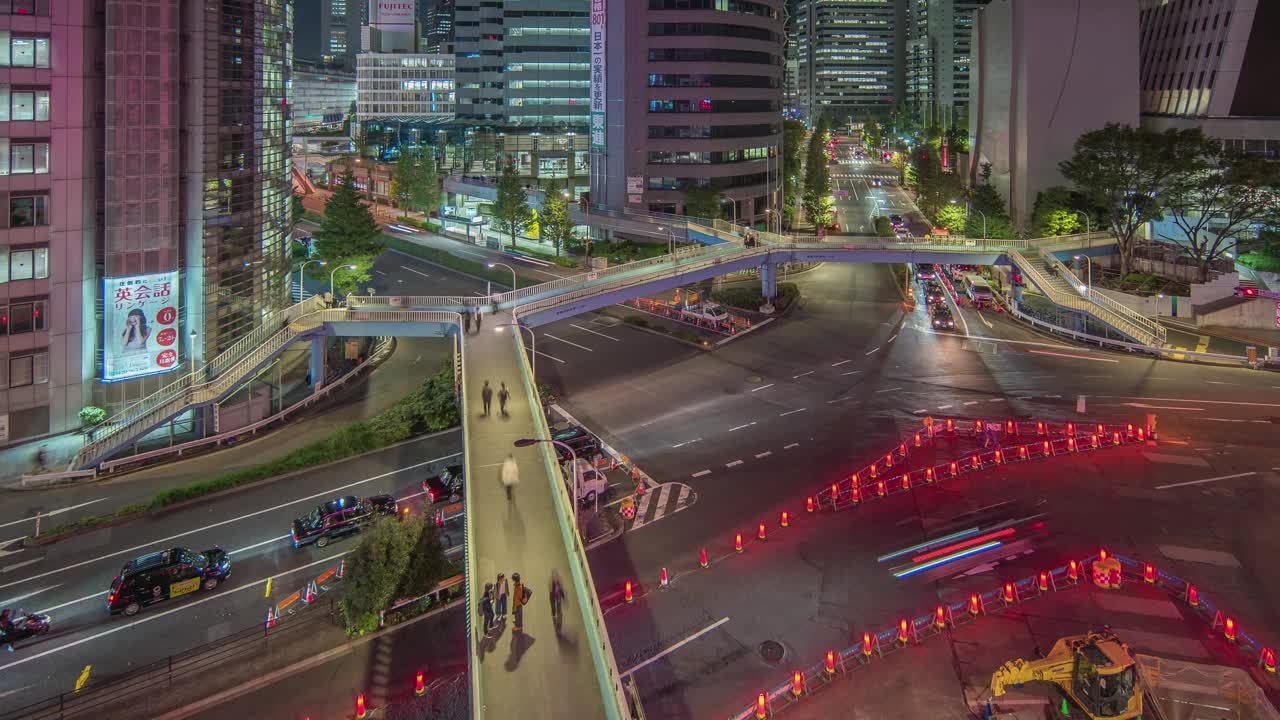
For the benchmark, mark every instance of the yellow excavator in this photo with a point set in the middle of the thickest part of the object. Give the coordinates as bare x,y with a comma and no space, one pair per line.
1095,671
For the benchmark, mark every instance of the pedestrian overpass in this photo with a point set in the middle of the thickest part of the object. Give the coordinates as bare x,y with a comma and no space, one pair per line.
569,671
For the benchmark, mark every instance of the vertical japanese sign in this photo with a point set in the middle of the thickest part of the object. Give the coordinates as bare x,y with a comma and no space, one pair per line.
139,325
597,73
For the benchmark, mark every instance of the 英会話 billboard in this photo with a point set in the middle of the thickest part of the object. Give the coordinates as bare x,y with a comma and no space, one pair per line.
139,325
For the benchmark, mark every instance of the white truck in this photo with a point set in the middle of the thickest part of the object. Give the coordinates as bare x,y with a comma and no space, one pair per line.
709,312
589,482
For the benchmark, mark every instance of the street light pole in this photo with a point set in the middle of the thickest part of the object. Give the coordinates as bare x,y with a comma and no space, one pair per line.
573,466
1089,273
302,288
513,272
533,345
335,271
1088,226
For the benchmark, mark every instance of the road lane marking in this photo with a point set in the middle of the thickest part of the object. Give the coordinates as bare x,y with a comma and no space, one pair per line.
735,463
996,400
888,390
33,593
918,412
52,513
1218,382
567,342
851,372
1075,357
553,357
1176,459
1208,557
753,422
662,503
971,402
838,364
1203,402
796,377
943,407
593,332
762,387
839,399
788,447
260,544
764,454
267,594
1222,419
677,646
1189,482
19,566
871,351
155,543
415,272
686,442
700,473
791,412
153,617
893,337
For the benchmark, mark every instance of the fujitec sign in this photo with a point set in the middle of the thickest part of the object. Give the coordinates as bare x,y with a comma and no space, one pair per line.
139,325
388,14
597,73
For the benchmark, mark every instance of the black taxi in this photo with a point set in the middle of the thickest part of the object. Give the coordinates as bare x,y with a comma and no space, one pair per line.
339,517
165,575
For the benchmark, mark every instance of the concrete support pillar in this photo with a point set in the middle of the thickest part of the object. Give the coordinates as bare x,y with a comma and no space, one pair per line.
769,281
317,362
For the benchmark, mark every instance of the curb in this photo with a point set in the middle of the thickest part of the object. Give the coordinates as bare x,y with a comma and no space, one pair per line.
659,333
301,666
180,505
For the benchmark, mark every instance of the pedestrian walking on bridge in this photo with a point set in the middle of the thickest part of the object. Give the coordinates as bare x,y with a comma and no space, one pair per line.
486,396
503,396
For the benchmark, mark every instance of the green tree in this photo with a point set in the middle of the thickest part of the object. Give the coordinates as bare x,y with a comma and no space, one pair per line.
557,228
1055,213
872,133
404,175
793,149
702,202
1215,202
347,231
296,210
951,217
511,211
394,560
425,195
1124,170
820,210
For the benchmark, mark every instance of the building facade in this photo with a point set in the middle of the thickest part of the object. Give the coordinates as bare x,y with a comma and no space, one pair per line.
849,56
939,55
1213,65
321,98
690,96
147,178
437,26
404,87
340,22
1036,89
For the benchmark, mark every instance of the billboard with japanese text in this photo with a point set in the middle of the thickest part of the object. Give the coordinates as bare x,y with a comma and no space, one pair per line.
597,73
139,325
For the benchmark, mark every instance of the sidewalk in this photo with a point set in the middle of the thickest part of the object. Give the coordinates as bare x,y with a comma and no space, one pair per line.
365,397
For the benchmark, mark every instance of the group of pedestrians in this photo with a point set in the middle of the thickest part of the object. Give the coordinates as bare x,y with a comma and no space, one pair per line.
486,398
468,318
494,602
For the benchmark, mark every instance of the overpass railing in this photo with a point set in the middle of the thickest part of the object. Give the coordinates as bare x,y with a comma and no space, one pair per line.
1078,241
1066,295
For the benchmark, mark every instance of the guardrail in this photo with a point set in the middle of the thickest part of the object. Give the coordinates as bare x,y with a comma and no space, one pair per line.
610,682
381,351
43,480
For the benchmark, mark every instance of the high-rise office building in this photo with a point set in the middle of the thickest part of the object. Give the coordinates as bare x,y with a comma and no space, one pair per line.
340,22
687,94
938,56
850,55
437,26
1213,65
147,179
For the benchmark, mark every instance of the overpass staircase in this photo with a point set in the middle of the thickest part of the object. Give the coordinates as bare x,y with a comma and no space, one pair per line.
1065,290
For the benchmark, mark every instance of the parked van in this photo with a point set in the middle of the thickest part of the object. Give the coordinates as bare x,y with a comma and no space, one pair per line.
979,291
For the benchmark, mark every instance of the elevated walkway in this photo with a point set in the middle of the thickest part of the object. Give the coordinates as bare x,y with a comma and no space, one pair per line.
1067,291
542,672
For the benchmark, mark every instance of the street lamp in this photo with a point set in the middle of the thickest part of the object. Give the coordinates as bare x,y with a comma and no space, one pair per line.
335,270
573,466
1088,226
513,272
967,206
303,266
191,350
533,344
1089,270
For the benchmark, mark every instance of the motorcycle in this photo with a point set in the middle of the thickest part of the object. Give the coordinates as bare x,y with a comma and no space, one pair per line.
27,626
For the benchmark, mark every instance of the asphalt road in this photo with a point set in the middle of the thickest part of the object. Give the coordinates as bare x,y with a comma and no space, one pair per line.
70,579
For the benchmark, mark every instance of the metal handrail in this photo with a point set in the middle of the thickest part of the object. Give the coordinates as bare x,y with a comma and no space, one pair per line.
1151,327
1075,301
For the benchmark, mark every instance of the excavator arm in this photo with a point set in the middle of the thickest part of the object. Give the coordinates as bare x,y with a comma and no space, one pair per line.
1017,672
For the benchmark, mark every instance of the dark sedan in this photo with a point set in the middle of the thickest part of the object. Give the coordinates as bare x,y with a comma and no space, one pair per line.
445,487
340,517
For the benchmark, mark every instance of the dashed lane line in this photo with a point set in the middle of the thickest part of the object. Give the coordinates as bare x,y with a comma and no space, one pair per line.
735,463
762,387
792,445
796,377
871,351
838,364
553,357
747,425
791,412
700,473
593,332
764,454
851,372
888,390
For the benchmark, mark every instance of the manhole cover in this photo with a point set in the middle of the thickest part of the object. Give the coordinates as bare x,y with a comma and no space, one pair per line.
772,651
754,379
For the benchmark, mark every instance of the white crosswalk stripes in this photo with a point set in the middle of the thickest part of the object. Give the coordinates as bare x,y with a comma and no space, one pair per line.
664,501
